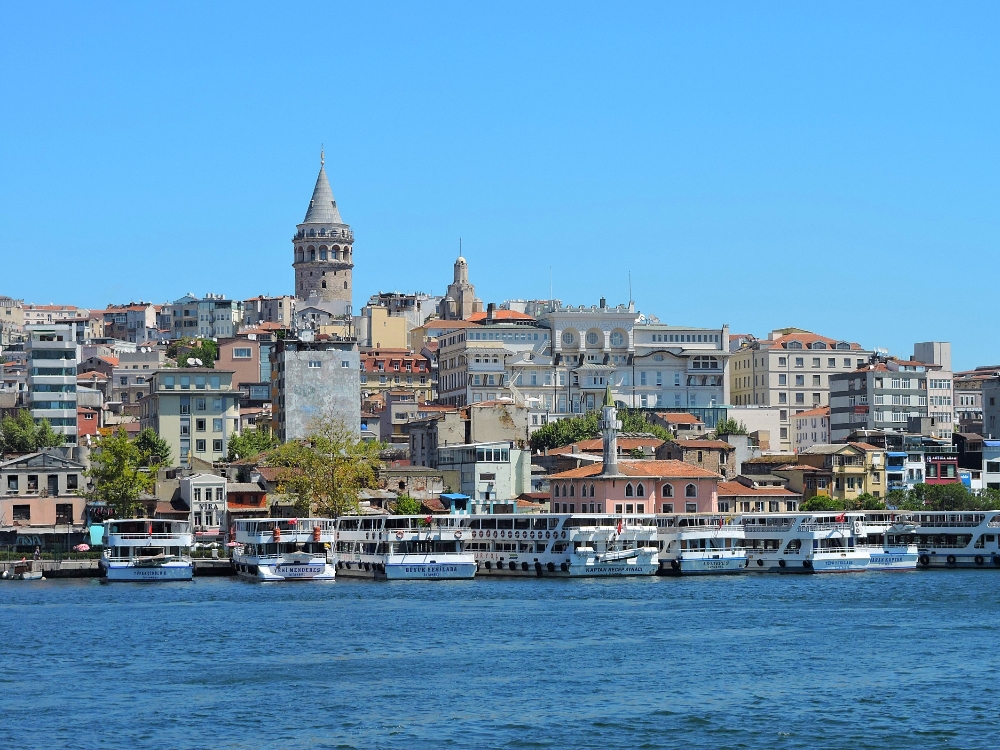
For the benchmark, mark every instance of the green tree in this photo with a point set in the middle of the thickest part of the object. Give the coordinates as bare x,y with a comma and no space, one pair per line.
587,427
407,506
153,448
120,474
730,427
187,348
867,501
324,472
822,503
251,443
21,434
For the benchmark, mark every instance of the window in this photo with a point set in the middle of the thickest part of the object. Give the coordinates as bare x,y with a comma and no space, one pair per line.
800,398
831,362
345,363
667,490
629,491
617,339
640,491
315,364
782,398
816,380
22,513
218,404
12,482
199,446
217,446
216,425
241,353
199,425
991,466
782,379
816,361
197,494
690,491
800,380
199,404
592,338
782,361
800,362
691,507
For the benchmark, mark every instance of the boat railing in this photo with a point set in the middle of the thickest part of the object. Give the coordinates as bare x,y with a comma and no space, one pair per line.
953,525
755,528
826,527
271,556
113,535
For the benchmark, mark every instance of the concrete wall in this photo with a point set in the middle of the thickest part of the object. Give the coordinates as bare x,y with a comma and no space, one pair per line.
331,390
489,423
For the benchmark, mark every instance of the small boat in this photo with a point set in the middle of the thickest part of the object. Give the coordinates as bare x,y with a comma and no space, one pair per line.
284,549
25,570
147,549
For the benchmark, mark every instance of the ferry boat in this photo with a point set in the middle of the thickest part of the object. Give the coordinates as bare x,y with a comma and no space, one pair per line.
700,544
954,539
805,543
403,547
147,549
284,549
548,544
889,538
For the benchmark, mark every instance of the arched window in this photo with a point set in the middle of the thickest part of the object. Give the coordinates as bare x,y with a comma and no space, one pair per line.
324,285
555,491
668,490
312,253
345,285
592,495
628,490
592,338
567,337
617,338
572,490
640,490
583,490
690,491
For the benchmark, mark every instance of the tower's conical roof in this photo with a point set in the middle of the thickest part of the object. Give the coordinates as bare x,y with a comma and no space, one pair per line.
322,207
608,398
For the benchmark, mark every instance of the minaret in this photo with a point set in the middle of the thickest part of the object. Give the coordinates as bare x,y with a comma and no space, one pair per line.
610,426
323,247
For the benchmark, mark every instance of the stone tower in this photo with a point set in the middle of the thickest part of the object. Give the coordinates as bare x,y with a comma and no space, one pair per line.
460,300
323,246
610,426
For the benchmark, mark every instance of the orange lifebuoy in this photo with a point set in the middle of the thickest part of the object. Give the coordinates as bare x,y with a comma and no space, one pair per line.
458,534
399,534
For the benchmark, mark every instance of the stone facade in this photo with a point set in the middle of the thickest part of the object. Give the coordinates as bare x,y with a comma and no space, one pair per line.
314,380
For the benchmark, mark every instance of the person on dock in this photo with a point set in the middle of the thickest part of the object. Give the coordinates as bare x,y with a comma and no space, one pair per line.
38,553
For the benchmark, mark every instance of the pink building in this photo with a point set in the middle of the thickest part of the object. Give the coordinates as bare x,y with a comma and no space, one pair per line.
635,487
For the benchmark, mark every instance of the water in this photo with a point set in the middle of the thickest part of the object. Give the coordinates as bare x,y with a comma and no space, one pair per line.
904,660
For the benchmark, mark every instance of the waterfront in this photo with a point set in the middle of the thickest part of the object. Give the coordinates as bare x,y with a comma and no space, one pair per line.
863,660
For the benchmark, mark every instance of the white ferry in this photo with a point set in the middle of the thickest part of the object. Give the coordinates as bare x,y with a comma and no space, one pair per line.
953,539
547,544
805,543
284,549
403,547
147,549
700,544
889,538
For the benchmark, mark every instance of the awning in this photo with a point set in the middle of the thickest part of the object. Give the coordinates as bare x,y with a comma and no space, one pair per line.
96,534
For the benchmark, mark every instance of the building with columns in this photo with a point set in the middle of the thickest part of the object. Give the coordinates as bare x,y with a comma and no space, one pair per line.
323,250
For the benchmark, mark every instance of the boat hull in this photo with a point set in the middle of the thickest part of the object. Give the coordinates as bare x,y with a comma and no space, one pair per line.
247,566
591,566
172,571
958,559
893,560
688,565
417,567
841,563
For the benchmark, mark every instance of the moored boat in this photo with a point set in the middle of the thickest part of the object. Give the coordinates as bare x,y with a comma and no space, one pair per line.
574,545
147,549
403,547
24,570
804,543
284,549
889,538
956,539
700,544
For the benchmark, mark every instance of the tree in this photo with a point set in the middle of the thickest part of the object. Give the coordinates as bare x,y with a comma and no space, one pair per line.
730,427
251,443
587,427
153,448
120,473
21,434
205,350
821,503
407,506
324,472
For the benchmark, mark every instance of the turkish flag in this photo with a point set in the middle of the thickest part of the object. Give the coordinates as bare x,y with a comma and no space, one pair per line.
840,518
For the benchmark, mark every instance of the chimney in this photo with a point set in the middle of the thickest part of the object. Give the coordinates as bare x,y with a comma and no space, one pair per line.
604,303
489,312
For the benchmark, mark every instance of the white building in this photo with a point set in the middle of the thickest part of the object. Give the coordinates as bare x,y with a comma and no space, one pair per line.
488,473
212,317
205,495
52,358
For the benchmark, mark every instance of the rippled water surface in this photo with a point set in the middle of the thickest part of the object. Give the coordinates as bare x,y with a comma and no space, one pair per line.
849,661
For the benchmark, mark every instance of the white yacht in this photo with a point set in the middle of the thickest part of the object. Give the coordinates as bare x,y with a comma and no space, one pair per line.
548,544
700,544
284,549
889,538
147,549
403,547
956,539
804,542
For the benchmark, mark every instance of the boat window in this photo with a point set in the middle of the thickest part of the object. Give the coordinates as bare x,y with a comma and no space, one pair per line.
474,524
553,523
539,523
489,523
505,523
522,523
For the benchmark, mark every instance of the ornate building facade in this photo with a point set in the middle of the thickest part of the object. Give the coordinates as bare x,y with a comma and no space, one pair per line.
324,250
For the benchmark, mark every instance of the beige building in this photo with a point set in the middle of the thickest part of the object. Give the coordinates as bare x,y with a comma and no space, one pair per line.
195,410
257,310
377,329
789,370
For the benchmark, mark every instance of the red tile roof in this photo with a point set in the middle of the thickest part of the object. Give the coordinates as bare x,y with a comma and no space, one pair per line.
639,468
678,418
704,444
821,411
480,317
732,489
596,445
806,338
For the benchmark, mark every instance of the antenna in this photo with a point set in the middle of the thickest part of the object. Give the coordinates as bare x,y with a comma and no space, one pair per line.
630,287
322,160
550,285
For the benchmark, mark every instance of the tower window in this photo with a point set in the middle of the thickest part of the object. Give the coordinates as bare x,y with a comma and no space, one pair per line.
324,285
345,285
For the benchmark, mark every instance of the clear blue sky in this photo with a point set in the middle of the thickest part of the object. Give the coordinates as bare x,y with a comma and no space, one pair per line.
829,166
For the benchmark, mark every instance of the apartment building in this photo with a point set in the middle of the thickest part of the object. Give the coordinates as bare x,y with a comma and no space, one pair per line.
315,380
48,314
135,322
211,317
257,310
396,370
791,370
195,410
53,355
967,389
811,427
